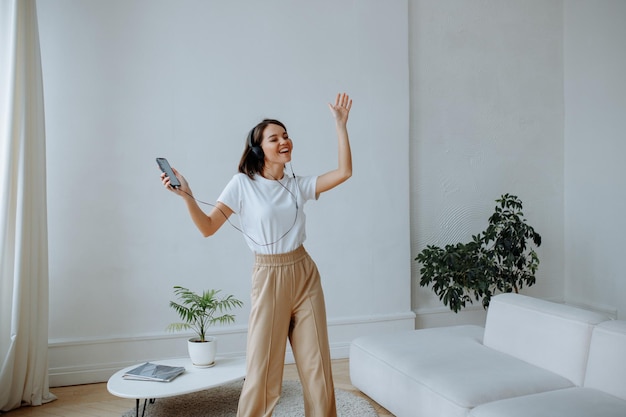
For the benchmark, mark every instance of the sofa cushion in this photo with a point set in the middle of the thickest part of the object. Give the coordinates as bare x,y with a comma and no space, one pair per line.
549,335
572,402
606,368
441,371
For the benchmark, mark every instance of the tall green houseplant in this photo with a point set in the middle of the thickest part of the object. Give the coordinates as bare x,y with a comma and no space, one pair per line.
500,259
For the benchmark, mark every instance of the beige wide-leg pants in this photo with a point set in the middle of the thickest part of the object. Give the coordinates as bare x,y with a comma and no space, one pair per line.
287,303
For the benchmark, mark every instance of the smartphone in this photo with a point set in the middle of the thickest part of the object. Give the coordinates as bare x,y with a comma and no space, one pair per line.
165,167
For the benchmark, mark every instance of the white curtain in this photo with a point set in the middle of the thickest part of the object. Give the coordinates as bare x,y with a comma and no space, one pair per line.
23,221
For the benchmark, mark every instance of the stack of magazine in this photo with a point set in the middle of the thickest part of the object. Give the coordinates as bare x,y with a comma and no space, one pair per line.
153,372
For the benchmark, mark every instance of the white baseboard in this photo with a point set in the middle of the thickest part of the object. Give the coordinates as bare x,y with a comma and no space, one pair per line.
475,314
85,361
443,316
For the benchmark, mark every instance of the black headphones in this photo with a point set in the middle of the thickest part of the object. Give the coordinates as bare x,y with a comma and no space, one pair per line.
257,151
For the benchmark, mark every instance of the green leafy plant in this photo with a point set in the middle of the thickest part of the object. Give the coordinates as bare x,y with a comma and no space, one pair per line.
500,259
198,311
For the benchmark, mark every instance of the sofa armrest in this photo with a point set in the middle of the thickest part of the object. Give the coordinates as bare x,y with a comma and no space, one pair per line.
606,368
550,335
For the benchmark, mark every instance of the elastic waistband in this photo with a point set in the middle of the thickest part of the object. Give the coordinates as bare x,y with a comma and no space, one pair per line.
281,258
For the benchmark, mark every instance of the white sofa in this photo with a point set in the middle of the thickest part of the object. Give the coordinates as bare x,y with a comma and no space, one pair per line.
533,358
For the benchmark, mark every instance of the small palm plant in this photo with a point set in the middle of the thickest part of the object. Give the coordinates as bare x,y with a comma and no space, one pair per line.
198,312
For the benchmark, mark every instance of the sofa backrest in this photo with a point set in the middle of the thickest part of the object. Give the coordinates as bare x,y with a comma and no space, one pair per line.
606,367
550,335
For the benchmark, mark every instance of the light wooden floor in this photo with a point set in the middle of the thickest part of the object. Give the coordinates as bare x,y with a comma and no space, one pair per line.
94,400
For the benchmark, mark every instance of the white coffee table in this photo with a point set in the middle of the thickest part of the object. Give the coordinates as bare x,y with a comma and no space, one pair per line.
194,379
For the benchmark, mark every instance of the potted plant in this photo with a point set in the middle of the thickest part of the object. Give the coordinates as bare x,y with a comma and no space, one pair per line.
500,259
199,312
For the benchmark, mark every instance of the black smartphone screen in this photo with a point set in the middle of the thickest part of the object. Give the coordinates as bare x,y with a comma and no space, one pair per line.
165,167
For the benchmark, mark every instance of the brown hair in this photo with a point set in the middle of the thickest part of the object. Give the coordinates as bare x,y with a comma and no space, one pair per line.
250,163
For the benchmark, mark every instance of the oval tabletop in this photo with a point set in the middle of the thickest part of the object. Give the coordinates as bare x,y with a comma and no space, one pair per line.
194,379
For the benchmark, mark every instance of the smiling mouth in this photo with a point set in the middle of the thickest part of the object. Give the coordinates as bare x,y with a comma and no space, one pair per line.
284,150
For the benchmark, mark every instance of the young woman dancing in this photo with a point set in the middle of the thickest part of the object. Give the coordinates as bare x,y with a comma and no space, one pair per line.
287,297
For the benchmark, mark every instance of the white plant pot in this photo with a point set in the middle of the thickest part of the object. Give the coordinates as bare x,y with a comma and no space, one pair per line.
202,354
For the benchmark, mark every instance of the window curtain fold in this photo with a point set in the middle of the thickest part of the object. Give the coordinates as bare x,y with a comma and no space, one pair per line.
23,218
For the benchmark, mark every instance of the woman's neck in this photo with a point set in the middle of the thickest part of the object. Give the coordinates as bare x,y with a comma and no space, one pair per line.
273,172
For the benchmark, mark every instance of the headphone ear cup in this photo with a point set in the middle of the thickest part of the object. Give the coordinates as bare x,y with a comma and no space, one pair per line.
257,151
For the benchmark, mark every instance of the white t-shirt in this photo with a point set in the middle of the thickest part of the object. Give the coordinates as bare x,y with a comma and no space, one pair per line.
271,212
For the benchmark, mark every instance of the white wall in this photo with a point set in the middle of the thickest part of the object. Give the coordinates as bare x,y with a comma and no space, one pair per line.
486,119
518,97
127,81
595,122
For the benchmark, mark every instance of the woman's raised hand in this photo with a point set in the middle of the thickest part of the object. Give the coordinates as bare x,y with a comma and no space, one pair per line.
341,109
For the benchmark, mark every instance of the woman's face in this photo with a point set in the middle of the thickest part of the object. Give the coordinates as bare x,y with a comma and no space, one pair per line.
276,144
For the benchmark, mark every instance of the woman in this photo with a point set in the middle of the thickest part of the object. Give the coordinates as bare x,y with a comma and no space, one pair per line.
287,297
